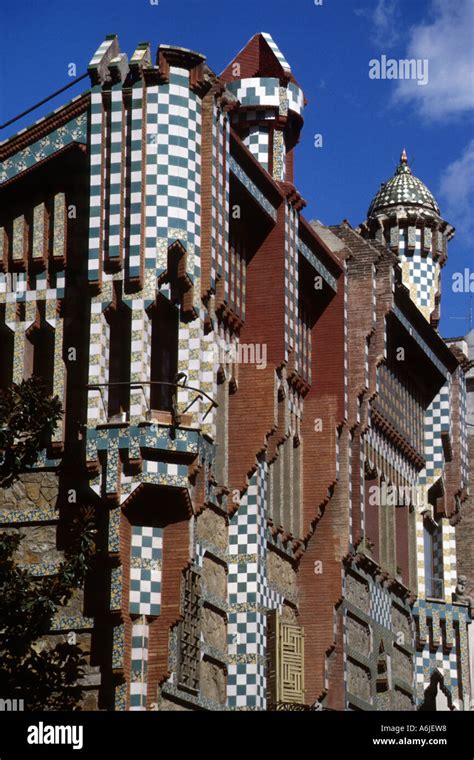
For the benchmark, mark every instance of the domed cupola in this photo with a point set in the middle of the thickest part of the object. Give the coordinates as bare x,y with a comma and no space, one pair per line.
403,189
405,215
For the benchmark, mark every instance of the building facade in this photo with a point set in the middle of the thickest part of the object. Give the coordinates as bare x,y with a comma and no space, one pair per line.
259,408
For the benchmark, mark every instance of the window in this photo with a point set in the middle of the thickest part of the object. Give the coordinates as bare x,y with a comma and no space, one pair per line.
383,680
189,632
6,364
120,322
39,355
164,353
285,667
434,585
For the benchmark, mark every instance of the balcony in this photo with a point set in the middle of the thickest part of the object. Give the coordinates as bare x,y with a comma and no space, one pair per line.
169,415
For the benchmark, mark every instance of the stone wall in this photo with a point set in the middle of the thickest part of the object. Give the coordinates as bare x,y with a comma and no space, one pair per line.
402,665
213,681
24,505
357,592
401,624
32,491
358,636
214,629
465,529
358,681
168,705
377,648
214,576
401,700
211,530
211,527
281,574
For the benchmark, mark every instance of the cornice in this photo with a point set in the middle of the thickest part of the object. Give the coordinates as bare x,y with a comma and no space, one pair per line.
44,127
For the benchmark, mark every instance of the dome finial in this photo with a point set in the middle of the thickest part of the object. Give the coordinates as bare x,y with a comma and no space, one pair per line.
403,167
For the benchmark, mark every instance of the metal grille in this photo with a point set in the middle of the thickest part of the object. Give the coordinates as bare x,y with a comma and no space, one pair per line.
285,647
189,632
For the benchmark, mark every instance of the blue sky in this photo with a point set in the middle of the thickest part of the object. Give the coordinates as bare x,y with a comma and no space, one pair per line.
364,122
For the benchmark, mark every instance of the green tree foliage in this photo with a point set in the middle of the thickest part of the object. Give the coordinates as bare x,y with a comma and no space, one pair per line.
27,418
43,673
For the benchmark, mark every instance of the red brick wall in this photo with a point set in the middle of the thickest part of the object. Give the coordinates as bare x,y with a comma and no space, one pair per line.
372,517
251,409
319,592
465,530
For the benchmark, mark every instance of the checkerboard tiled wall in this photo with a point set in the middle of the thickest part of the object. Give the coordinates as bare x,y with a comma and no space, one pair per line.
145,570
139,665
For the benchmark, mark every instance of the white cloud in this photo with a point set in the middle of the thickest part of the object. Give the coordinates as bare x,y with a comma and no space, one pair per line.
457,188
384,19
446,40
385,22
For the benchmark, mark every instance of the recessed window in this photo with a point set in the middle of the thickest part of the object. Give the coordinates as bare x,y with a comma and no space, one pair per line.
120,322
164,353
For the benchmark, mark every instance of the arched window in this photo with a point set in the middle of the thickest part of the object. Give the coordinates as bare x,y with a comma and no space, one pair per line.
383,680
39,355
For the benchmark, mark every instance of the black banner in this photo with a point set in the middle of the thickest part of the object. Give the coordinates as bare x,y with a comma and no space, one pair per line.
372,734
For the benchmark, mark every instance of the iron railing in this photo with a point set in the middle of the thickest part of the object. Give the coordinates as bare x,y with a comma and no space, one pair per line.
175,414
